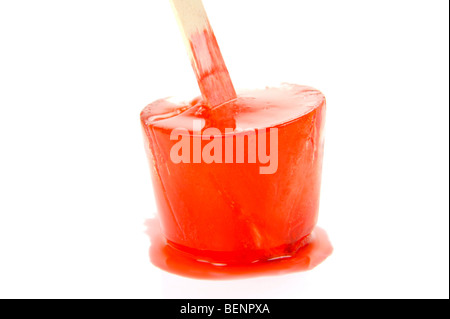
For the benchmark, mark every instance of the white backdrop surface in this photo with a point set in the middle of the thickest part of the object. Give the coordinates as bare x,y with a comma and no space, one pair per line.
75,186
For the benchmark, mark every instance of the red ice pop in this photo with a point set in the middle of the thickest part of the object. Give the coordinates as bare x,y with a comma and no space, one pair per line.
236,176
227,208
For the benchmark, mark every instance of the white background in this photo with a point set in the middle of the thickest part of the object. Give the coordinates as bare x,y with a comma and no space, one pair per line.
75,186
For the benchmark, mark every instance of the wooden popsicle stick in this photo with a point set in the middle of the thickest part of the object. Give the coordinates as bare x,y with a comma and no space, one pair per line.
207,61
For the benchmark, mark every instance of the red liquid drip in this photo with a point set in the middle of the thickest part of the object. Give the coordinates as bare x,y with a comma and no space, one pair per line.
169,259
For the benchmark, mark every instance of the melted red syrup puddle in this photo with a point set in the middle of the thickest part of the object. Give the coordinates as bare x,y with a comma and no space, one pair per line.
167,258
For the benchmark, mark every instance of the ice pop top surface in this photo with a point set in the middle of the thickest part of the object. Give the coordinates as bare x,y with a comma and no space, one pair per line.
255,109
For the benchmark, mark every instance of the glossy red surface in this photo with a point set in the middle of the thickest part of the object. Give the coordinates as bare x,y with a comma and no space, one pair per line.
231,213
